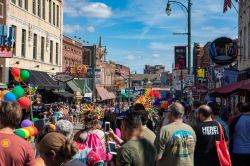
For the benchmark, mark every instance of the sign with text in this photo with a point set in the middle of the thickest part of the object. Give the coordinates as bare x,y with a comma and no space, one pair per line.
7,41
180,54
63,77
230,76
189,81
223,51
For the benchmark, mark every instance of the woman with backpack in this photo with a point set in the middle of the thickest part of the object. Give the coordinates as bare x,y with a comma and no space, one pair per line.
92,135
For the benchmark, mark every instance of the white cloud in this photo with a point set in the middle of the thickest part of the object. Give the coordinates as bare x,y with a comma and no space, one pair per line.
72,28
74,8
160,46
130,57
90,29
156,55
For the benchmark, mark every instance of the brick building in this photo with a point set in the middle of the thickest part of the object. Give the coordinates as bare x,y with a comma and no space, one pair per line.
2,11
72,52
157,69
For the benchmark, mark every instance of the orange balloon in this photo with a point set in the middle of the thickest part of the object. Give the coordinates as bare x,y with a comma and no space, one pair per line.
3,93
18,79
31,130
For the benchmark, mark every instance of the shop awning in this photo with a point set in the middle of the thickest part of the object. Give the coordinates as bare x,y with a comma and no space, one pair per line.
104,93
64,94
42,80
233,88
73,85
111,95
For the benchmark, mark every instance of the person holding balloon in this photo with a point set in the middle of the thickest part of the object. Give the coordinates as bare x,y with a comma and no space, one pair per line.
13,149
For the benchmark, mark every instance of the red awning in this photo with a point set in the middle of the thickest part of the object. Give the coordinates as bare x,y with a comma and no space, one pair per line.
230,89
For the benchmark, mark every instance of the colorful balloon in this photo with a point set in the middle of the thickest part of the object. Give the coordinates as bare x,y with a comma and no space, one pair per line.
31,130
35,131
26,123
9,97
18,79
35,119
18,92
15,72
3,93
24,102
27,133
20,133
25,75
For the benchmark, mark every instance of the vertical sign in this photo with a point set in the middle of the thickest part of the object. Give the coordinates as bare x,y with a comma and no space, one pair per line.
180,53
6,41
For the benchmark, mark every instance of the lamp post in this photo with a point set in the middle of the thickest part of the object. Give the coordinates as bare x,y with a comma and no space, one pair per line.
188,10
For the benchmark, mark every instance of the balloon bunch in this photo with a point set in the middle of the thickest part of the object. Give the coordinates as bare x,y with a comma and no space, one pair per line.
17,93
26,132
19,75
27,129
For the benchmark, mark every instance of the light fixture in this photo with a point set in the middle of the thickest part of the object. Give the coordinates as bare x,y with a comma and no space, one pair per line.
53,68
168,9
37,66
17,62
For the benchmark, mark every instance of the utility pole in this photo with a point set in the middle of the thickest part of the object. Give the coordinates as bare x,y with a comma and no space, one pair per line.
129,88
189,36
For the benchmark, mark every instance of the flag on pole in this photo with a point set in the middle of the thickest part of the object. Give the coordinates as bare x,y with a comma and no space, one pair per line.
227,3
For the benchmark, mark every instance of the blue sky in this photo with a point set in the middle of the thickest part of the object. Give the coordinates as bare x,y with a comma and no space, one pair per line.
138,32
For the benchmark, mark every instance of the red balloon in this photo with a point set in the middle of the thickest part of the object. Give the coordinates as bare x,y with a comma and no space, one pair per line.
24,102
15,72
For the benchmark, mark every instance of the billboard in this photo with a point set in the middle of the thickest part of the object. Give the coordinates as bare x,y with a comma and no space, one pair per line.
180,54
6,41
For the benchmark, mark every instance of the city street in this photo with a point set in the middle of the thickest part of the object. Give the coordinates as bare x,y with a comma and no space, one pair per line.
124,83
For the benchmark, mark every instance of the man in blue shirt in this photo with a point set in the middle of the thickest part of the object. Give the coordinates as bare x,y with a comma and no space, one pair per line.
239,130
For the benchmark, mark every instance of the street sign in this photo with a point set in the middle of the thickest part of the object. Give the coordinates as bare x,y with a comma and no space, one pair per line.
177,84
63,77
189,81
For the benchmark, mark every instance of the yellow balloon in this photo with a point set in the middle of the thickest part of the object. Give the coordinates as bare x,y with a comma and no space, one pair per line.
3,93
31,130
27,133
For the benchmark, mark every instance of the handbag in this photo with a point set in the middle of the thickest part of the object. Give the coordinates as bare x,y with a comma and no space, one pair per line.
222,149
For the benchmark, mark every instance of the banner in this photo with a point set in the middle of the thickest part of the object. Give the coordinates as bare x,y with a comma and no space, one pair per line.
7,41
180,53
230,76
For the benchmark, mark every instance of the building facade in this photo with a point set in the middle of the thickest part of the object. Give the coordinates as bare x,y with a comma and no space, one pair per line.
38,36
72,53
157,69
3,12
244,39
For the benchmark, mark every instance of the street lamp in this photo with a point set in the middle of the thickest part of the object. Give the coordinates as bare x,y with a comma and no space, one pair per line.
168,9
188,10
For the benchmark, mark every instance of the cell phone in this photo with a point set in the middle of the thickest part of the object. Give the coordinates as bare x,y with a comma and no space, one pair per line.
112,148
107,126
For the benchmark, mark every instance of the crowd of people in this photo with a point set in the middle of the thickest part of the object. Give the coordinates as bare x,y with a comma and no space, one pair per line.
178,137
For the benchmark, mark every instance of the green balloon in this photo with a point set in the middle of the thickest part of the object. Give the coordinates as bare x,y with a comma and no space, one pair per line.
25,75
20,133
18,92
35,119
